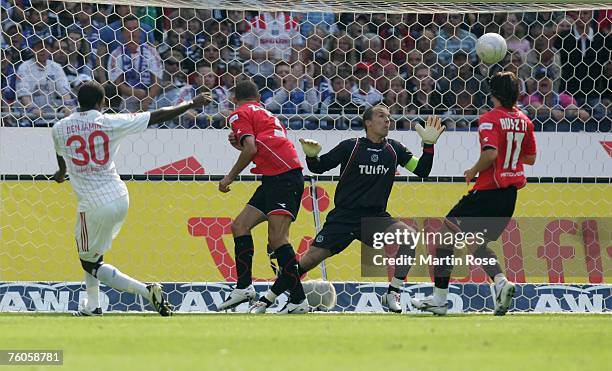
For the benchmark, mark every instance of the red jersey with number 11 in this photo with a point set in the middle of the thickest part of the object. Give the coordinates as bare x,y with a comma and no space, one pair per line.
275,153
510,132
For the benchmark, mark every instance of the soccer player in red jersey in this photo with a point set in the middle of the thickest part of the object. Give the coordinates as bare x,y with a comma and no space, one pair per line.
507,143
262,139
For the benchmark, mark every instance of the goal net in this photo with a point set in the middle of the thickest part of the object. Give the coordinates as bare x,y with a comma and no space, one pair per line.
318,66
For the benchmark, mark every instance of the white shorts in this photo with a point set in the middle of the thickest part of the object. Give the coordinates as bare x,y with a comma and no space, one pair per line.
96,229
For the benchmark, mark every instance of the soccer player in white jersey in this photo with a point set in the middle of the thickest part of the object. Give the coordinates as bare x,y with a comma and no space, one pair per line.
86,143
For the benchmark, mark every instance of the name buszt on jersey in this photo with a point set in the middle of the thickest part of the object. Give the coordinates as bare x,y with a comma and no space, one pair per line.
513,124
373,169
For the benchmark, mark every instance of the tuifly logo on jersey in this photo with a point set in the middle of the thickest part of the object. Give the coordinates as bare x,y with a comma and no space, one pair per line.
373,169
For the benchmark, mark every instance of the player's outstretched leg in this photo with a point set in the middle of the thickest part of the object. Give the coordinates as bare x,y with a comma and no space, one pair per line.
113,277
90,307
244,250
501,289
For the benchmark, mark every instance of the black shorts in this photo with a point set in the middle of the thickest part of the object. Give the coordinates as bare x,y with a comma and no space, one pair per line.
279,194
483,211
343,227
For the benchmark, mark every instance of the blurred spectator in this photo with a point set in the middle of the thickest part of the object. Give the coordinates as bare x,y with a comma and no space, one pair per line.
339,102
461,77
397,26
515,34
39,23
314,49
172,81
270,38
425,98
546,104
42,87
13,42
397,100
135,68
71,53
604,20
214,113
584,52
513,62
413,59
113,35
363,93
274,82
296,95
343,50
8,80
311,20
545,55
451,38
467,100
87,24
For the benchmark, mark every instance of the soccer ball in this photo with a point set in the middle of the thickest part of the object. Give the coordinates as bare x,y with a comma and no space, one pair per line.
491,48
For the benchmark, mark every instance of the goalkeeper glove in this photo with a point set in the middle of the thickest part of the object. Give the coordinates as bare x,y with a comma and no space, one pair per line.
311,147
432,130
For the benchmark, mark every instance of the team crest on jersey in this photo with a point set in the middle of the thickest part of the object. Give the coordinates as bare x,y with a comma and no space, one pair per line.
374,158
320,238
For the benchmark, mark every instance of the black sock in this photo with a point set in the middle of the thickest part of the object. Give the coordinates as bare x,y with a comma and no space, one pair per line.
264,300
244,260
289,278
442,272
484,252
392,289
401,270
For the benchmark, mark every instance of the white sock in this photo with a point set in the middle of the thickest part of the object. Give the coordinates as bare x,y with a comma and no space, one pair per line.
270,296
111,276
92,286
440,296
396,282
499,279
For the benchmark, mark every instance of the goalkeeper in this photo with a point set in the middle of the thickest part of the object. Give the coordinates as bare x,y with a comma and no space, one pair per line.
367,173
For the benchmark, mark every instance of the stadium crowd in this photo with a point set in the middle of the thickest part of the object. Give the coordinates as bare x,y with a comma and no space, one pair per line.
315,70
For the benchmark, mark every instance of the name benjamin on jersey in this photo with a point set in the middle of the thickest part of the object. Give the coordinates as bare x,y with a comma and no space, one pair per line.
74,128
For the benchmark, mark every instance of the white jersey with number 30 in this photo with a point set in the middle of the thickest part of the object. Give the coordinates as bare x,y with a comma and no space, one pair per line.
88,141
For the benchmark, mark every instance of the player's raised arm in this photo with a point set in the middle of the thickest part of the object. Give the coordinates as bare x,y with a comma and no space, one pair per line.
429,134
169,113
328,161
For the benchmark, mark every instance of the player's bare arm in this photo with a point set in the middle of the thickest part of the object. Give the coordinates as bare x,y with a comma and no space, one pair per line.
231,138
528,159
487,158
248,151
60,175
169,113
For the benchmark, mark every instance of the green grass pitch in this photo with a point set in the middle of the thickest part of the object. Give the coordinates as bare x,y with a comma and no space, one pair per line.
316,342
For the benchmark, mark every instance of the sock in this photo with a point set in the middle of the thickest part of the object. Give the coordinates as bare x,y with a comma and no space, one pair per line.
499,279
484,252
403,251
440,296
289,277
268,302
111,276
442,272
280,286
92,285
395,284
243,248
270,296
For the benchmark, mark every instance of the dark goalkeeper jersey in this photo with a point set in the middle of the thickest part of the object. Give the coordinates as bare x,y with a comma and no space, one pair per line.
367,172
